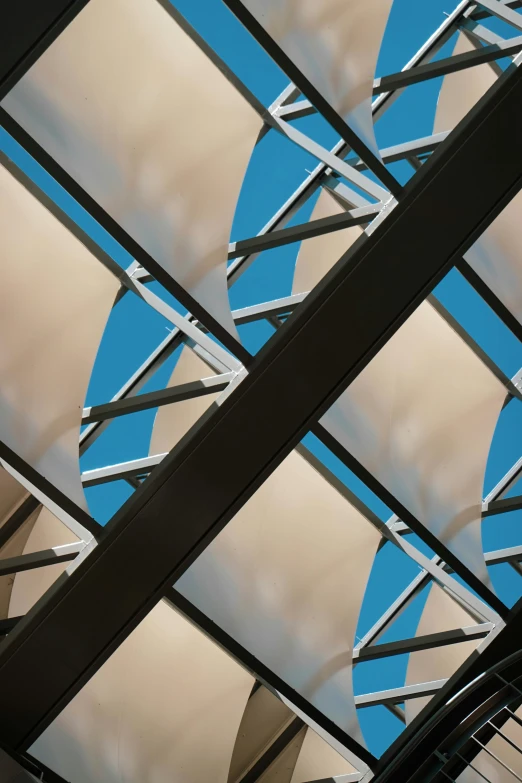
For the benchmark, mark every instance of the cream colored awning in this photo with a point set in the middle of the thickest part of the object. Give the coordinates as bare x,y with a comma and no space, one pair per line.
55,301
497,256
421,415
166,706
335,44
273,577
139,116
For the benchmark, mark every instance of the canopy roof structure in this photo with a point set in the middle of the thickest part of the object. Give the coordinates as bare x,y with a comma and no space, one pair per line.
284,560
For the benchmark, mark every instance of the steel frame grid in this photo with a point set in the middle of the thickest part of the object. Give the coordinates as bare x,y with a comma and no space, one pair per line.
243,262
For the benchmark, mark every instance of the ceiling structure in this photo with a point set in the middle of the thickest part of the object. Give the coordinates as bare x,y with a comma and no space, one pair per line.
212,625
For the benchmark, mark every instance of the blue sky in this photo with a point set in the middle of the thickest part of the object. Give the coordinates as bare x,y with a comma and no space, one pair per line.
276,169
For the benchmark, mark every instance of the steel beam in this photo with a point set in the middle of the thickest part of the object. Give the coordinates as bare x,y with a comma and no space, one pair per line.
314,228
274,750
7,625
370,292
512,554
502,506
265,310
421,73
505,483
17,519
426,642
394,610
399,695
74,517
58,554
405,150
27,29
156,399
457,62
123,470
503,12
136,382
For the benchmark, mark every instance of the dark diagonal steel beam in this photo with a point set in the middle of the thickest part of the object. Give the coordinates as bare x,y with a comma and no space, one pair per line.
27,29
219,465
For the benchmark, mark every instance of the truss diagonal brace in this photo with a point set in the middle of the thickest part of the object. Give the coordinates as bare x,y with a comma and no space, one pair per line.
212,473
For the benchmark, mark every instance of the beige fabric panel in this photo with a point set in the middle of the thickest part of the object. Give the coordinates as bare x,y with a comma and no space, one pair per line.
173,421
318,255
335,44
440,613
165,707
273,577
130,106
55,300
421,417
497,255
46,533
265,717
318,761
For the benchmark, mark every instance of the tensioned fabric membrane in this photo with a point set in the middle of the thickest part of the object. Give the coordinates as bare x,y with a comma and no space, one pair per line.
281,602
129,105
421,415
335,44
55,297
163,695
497,255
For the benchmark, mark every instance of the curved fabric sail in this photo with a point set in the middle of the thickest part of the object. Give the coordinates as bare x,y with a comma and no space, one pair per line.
273,577
165,706
421,418
497,256
55,299
162,697
139,116
440,613
424,408
335,44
